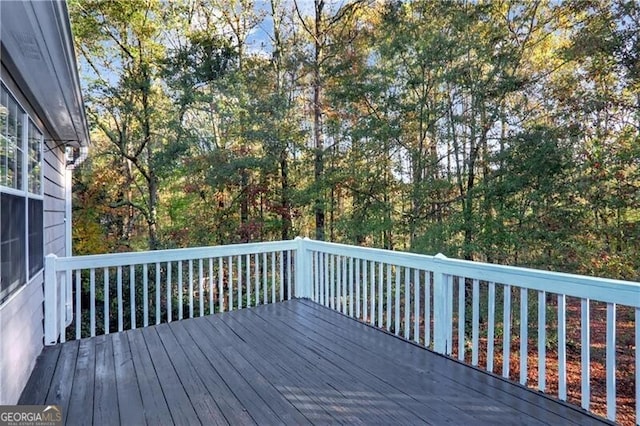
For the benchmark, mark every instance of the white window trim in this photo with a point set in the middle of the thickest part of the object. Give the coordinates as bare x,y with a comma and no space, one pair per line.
39,196
12,191
24,192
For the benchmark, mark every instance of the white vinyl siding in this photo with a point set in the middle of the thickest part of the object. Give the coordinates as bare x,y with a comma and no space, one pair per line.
21,313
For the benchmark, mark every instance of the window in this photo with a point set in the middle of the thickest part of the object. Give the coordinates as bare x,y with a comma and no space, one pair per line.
36,247
12,242
21,200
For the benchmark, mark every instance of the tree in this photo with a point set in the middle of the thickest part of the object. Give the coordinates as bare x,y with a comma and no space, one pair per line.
320,29
503,131
120,47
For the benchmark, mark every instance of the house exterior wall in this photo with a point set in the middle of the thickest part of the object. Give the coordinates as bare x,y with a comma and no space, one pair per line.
54,201
21,315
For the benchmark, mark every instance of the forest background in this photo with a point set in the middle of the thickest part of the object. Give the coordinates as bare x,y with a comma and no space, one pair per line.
504,131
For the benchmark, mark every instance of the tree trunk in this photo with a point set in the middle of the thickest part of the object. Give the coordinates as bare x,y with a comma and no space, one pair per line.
152,220
317,124
285,213
244,206
152,179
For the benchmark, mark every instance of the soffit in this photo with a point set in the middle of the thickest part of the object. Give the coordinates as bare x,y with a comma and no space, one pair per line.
37,49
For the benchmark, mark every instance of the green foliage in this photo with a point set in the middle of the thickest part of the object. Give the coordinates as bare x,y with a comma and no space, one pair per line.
498,131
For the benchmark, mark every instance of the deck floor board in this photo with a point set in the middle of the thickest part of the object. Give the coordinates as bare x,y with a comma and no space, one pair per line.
129,397
156,409
105,394
293,362
84,379
39,383
63,377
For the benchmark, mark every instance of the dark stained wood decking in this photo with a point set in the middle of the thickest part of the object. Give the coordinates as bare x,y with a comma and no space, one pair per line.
294,363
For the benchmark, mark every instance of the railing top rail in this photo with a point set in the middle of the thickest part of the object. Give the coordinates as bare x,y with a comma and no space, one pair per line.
411,260
601,289
171,255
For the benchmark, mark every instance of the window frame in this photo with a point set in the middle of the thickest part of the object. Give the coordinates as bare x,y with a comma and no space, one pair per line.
30,132
33,196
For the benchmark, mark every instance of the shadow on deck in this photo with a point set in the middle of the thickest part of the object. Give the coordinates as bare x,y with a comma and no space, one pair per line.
293,362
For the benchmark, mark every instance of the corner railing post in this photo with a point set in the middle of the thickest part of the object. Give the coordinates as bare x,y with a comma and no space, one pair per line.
301,268
442,308
308,269
51,323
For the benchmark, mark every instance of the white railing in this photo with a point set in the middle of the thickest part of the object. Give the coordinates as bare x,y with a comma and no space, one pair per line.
482,314
129,290
426,298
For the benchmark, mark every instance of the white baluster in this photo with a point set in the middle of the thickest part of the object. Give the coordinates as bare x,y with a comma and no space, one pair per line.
78,305
611,361
157,293
397,302
475,319
256,277
132,295
524,323
427,308
365,285
389,297
211,290
230,282
190,288
180,291
585,357
407,302
119,295
145,294
201,287
169,293
357,284
220,285
372,283
461,318
281,266
105,283
416,305
248,276
239,260
562,348
491,326
506,326
273,277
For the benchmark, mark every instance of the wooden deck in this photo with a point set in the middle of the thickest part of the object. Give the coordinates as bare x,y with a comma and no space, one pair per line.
294,362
